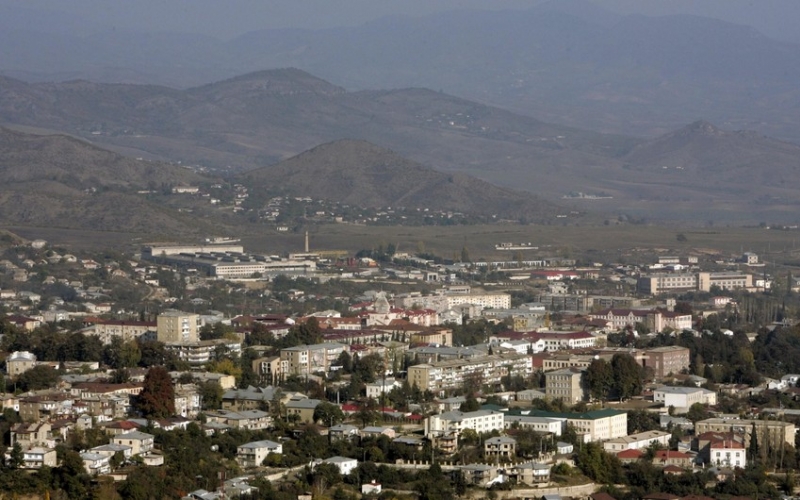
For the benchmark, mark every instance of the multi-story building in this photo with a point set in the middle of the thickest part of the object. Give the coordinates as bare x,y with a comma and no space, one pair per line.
654,319
566,385
268,369
125,330
177,327
666,360
544,425
775,432
724,280
503,447
253,454
309,359
681,398
727,453
19,362
483,300
666,282
597,425
484,370
457,421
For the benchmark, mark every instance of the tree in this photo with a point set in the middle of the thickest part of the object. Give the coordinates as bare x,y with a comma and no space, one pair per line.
328,413
627,376
157,399
697,412
211,395
599,379
38,377
471,404
16,460
752,450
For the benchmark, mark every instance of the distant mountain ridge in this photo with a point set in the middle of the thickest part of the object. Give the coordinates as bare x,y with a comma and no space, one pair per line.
565,61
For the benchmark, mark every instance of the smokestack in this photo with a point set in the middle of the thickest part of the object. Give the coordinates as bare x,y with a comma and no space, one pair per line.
306,247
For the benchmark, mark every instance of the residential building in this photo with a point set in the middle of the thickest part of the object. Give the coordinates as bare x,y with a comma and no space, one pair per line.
19,362
478,474
775,432
637,441
268,369
456,421
30,435
377,431
38,457
531,473
451,374
252,420
483,300
177,327
96,463
597,425
681,398
303,408
502,447
140,442
728,453
253,454
530,395
666,360
566,385
655,284
107,330
382,386
344,464
343,431
672,457
655,319
724,281
310,359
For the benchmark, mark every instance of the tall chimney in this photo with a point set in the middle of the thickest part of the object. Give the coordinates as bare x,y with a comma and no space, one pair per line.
306,247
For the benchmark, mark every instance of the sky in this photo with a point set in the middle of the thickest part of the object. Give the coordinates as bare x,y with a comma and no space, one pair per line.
229,18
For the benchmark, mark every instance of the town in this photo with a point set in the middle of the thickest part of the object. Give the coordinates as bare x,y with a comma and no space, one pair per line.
203,371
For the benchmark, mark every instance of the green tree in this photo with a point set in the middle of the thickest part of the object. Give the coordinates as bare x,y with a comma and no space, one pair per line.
38,377
16,457
157,399
328,413
599,379
211,394
627,376
697,412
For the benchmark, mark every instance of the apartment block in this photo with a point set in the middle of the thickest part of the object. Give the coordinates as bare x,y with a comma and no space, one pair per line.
177,327
457,421
565,384
775,432
309,359
451,374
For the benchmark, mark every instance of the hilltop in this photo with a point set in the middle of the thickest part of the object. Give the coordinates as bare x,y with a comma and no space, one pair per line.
359,173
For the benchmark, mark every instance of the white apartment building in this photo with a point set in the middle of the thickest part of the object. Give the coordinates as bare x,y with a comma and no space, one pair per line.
539,424
309,359
456,421
597,425
665,282
253,454
681,398
484,300
376,389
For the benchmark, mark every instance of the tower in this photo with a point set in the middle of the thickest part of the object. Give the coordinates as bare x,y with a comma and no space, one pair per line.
306,245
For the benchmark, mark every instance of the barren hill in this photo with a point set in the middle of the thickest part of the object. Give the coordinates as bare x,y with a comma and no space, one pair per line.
360,173
59,181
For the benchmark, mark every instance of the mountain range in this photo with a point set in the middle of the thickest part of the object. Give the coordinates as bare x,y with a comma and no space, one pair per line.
565,61
259,119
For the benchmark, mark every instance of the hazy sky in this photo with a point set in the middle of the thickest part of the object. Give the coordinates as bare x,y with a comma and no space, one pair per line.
228,18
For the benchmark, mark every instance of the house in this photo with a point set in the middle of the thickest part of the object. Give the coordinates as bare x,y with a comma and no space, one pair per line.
19,362
478,474
630,455
342,431
480,421
637,441
727,453
140,442
531,473
253,454
672,458
36,458
111,449
377,389
500,447
563,448
372,487
96,463
253,420
377,432
303,408
31,435
344,464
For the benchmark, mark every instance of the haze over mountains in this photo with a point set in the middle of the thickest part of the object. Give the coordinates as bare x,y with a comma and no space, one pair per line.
258,119
566,61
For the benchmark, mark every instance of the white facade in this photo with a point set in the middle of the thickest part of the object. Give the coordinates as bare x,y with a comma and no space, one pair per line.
456,421
538,424
344,464
684,397
253,454
727,454
375,389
